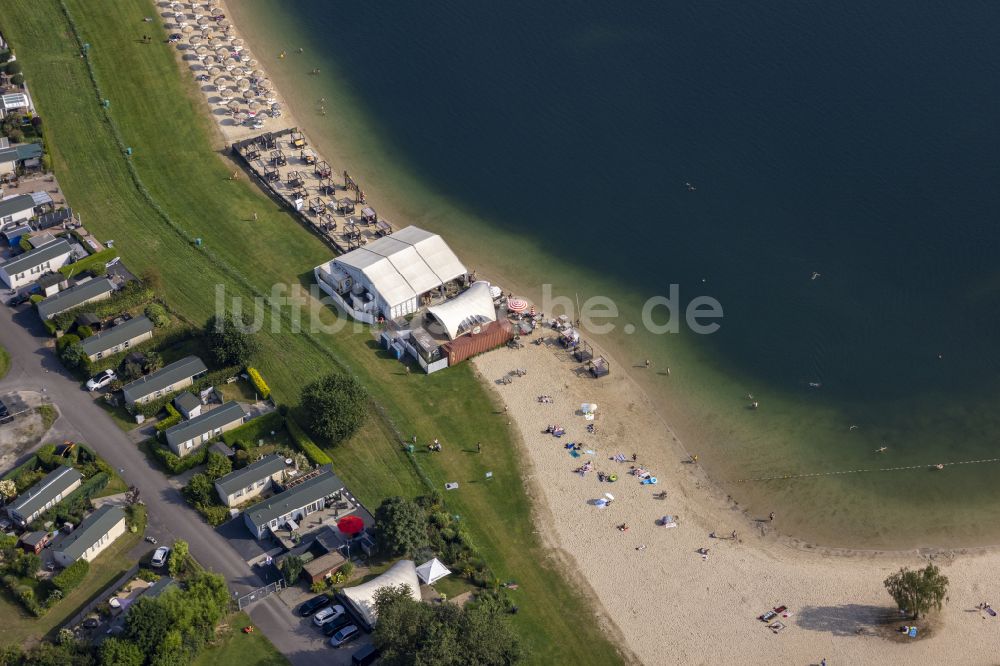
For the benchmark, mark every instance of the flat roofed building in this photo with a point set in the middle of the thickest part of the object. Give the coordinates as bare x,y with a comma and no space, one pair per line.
44,495
30,266
117,338
174,377
79,294
97,531
293,504
245,484
186,436
397,270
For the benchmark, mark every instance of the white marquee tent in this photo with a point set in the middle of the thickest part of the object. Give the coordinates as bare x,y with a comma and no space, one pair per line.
472,307
432,571
361,597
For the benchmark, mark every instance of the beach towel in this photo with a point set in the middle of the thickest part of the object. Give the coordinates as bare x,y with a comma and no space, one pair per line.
992,612
912,633
776,626
591,452
619,457
575,454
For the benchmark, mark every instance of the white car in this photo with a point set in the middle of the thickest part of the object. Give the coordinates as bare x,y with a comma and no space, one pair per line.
101,380
328,614
160,556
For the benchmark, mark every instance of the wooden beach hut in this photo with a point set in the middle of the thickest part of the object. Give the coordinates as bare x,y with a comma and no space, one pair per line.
298,140
584,352
294,179
278,158
383,228
368,215
307,156
317,205
252,152
345,206
271,173
322,169
599,367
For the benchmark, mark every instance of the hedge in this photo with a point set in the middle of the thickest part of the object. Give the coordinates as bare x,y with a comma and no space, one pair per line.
173,463
70,577
173,418
255,429
94,263
316,455
259,384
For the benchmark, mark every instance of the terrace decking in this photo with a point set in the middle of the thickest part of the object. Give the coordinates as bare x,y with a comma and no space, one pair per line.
323,200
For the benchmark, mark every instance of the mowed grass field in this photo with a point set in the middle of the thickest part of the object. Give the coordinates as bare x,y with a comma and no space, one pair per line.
159,114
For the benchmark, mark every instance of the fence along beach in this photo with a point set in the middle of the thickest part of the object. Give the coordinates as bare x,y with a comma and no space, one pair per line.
682,609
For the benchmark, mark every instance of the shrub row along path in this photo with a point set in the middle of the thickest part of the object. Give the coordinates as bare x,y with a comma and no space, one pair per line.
34,367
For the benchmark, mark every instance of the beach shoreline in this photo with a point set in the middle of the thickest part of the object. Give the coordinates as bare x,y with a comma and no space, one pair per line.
832,571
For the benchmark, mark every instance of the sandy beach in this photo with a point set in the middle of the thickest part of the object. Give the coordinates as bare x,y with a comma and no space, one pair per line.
671,604
663,599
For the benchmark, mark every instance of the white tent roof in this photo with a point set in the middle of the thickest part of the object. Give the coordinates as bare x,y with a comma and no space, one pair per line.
472,307
432,571
361,597
405,264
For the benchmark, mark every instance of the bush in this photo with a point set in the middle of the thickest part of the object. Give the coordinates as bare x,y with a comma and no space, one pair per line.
13,67
148,575
49,325
217,465
17,80
84,332
214,514
173,463
305,444
318,586
24,243
70,577
172,419
157,314
36,298
337,405
66,341
259,384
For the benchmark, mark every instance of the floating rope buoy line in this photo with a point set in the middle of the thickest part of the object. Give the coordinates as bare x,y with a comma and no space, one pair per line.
864,471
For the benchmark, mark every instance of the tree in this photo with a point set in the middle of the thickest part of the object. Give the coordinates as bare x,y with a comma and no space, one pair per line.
74,356
230,340
918,591
131,370
177,564
409,632
292,568
13,67
152,362
401,526
198,490
117,652
217,465
335,406
147,623
8,489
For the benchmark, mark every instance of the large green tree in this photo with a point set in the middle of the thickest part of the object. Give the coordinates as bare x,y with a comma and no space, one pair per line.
292,569
334,407
410,633
917,592
401,526
217,465
231,340
147,623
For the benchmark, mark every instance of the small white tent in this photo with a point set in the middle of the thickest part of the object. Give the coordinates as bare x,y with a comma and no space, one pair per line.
432,571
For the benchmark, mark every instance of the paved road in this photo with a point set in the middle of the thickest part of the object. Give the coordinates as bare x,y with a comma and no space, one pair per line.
35,367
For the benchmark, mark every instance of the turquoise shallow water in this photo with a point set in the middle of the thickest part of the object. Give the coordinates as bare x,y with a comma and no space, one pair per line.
553,143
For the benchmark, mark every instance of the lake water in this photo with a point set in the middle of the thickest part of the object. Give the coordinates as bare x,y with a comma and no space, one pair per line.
552,142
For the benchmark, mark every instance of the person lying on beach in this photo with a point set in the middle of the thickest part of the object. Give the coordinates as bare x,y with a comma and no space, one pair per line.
623,527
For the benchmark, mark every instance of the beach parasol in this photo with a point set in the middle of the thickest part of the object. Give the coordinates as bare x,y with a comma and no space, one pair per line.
241,116
248,94
215,42
224,23
259,74
495,291
195,40
213,70
222,53
233,105
214,10
239,72
204,20
252,62
276,107
351,525
237,42
185,28
221,81
264,84
243,84
201,52
517,305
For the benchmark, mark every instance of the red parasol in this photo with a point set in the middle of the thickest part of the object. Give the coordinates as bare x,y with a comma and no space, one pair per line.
517,305
350,525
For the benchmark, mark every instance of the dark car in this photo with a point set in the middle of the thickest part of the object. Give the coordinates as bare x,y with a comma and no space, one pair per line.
313,605
365,656
91,623
330,628
20,299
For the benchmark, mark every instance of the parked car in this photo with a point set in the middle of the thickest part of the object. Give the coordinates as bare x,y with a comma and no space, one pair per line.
101,380
331,627
313,605
160,556
19,299
91,623
328,614
365,656
345,635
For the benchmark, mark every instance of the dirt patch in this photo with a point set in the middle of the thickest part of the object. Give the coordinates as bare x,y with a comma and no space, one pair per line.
26,432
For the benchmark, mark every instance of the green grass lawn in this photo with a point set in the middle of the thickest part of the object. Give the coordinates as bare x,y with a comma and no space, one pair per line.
157,114
4,362
20,628
238,649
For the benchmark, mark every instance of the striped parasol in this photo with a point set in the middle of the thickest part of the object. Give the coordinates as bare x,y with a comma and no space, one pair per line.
517,305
